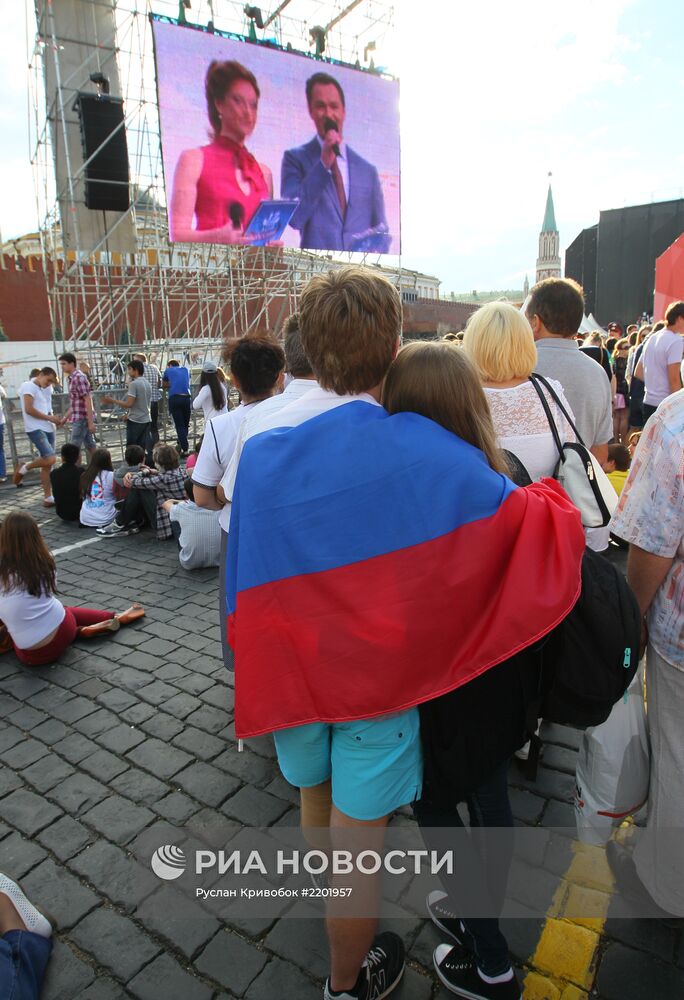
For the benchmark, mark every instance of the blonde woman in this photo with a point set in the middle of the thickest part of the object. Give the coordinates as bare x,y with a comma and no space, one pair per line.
499,340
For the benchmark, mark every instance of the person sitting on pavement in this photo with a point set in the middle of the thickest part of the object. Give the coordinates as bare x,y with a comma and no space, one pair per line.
134,459
39,424
97,490
25,943
149,489
616,466
40,626
196,530
66,483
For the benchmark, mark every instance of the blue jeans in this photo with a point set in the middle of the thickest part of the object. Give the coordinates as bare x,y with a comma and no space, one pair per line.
44,442
488,807
179,409
3,466
23,960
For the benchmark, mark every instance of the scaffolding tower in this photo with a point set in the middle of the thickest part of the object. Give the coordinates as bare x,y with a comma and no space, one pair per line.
108,274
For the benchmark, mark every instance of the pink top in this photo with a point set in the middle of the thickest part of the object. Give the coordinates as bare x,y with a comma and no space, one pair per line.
218,188
191,462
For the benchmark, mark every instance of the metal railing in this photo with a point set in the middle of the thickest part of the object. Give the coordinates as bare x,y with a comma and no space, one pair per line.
110,425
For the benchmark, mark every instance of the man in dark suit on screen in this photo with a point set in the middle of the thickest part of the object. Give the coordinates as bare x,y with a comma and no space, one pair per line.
341,206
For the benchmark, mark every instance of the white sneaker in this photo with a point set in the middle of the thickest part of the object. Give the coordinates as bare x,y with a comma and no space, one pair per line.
34,920
49,501
523,753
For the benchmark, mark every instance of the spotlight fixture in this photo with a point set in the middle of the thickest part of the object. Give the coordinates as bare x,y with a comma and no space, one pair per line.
101,83
318,37
369,48
255,21
183,5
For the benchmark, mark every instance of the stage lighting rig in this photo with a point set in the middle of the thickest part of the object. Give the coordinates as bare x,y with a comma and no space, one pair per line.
369,48
318,37
183,5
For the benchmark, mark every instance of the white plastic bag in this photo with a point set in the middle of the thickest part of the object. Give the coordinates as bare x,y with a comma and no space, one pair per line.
612,774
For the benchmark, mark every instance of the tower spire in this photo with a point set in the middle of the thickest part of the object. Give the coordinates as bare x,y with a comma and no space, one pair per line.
548,261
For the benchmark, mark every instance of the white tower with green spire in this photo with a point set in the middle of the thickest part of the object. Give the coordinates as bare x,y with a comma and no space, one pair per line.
548,261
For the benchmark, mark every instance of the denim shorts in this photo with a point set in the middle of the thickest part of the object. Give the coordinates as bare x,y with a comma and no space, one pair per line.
80,434
44,442
376,765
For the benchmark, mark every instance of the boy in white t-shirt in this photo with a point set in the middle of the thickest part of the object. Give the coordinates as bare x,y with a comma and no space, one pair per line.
39,424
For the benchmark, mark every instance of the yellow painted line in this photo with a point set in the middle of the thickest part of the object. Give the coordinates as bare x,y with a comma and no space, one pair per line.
564,961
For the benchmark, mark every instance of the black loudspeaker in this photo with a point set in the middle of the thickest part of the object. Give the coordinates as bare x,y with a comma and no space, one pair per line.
101,119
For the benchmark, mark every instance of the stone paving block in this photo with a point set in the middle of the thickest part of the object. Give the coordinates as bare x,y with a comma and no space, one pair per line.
51,731
625,974
121,739
75,709
165,978
117,700
24,754
283,790
261,745
115,942
159,759
9,781
161,726
163,630
116,875
207,784
199,744
550,784
139,786
68,677
178,919
27,718
23,685
559,758
413,986
194,683
8,706
170,672
103,989
10,736
158,693
18,855
137,713
653,936
254,807
67,974
60,893
118,819
232,962
78,793
526,806
303,942
65,838
104,765
181,704
75,748
559,815
91,688
213,828
28,811
536,987
567,951
279,979
176,807
220,696
129,677
211,719
48,772
99,722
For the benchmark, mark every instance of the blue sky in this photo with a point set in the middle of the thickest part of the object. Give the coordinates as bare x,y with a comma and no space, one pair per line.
493,98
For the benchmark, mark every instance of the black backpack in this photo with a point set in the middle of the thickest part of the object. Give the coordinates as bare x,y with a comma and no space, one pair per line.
590,659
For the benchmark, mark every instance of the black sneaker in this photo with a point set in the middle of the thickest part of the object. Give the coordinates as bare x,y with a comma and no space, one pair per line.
444,918
457,970
381,971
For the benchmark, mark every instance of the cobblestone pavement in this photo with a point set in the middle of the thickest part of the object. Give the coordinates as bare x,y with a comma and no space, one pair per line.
137,729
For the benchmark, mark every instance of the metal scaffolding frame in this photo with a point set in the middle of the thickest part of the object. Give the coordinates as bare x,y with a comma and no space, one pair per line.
186,297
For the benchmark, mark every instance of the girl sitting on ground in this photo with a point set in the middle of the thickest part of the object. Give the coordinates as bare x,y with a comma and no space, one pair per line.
97,489
39,625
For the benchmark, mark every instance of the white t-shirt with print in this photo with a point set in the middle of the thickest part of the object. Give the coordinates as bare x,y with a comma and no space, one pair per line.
42,401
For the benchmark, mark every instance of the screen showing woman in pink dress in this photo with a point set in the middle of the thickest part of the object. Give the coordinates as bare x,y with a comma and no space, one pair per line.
220,186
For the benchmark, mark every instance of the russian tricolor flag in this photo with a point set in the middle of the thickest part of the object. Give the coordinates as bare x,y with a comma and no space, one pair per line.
375,562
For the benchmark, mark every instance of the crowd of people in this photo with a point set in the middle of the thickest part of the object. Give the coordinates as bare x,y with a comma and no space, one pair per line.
374,510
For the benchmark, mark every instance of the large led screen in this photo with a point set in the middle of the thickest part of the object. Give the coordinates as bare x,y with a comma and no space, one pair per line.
268,147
